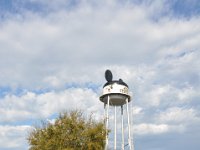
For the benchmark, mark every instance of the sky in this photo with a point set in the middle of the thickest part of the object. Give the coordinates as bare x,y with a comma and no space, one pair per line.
53,55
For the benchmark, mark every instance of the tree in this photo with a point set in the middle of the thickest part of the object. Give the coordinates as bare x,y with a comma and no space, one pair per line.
71,131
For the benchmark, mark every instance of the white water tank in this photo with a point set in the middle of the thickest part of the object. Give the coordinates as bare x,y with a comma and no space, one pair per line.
117,91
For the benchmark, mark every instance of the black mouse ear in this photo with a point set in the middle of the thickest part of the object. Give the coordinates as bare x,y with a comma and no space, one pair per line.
121,81
108,75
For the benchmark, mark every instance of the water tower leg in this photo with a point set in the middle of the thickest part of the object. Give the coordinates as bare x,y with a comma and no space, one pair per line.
122,126
115,136
104,114
107,121
132,141
129,128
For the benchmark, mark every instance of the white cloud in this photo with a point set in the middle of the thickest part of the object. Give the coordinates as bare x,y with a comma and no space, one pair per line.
144,129
13,137
136,110
188,94
155,95
86,38
177,115
33,106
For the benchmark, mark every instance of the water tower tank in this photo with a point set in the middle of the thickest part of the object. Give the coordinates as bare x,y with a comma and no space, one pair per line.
117,91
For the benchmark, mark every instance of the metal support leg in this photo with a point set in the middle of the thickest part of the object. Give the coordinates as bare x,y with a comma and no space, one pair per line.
129,128
132,141
115,136
122,126
104,115
107,121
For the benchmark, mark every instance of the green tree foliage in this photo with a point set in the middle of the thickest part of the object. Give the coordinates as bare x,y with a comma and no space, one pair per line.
71,131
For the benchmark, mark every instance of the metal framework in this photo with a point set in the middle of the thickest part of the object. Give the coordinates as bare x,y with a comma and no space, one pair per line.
106,115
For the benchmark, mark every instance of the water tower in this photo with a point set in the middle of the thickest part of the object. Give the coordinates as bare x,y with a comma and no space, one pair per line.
116,94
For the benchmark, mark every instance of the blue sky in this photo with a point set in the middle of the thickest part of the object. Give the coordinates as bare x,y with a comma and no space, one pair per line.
53,56
183,8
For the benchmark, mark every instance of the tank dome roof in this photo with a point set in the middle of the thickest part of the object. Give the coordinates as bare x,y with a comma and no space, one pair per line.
120,82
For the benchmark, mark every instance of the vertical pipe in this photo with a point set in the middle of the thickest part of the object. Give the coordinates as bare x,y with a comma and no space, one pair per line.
129,129
104,114
122,126
107,119
132,142
105,123
115,135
